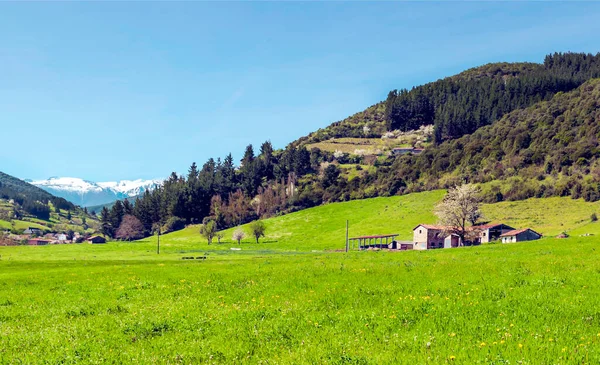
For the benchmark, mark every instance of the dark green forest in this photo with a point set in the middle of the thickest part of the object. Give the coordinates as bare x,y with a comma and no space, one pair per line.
527,130
460,105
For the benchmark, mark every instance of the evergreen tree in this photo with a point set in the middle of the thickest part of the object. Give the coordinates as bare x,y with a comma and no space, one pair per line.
106,227
116,214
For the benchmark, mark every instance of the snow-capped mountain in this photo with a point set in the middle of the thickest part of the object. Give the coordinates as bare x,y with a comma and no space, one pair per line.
88,193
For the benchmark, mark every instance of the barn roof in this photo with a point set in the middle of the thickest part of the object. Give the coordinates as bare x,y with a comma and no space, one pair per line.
489,225
515,232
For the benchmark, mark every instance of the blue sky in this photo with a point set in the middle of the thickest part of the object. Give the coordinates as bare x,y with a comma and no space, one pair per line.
115,90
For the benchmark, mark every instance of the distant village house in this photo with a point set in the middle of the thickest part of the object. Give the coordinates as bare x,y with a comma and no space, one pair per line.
96,239
37,241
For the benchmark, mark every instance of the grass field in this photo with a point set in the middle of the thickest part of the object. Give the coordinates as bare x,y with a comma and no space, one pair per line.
279,302
533,303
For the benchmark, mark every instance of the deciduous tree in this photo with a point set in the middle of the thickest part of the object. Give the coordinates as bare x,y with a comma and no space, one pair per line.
130,229
257,229
459,209
209,230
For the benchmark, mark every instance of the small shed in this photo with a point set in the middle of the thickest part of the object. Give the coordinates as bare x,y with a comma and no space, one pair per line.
96,239
365,242
518,235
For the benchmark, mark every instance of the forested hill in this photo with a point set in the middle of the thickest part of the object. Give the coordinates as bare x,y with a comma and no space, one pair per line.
550,148
534,134
460,104
29,196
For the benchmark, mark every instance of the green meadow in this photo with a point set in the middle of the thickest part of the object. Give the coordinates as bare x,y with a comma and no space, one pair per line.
293,299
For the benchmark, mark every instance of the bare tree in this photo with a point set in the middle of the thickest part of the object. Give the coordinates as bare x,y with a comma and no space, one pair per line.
209,230
239,235
257,229
460,208
130,229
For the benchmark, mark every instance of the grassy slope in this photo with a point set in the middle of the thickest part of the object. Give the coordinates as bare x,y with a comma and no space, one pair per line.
323,227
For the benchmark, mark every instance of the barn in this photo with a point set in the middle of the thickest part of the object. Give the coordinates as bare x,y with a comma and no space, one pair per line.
518,235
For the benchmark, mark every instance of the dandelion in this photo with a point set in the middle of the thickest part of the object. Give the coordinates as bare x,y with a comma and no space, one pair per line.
564,349
452,334
452,357
501,341
520,345
482,344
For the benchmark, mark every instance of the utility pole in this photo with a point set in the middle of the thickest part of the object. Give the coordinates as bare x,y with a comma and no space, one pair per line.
346,235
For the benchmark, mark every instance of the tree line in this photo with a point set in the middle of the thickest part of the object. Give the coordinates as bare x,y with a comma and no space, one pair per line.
262,185
460,105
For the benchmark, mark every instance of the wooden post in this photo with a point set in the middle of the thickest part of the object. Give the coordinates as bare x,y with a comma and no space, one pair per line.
346,235
158,243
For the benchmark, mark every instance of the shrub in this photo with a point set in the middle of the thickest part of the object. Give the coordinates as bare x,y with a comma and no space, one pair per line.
173,224
593,217
238,235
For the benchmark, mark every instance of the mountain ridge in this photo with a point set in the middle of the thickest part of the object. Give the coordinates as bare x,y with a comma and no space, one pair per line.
88,193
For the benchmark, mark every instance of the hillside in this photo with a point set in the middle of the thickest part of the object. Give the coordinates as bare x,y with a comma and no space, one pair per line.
460,104
29,198
548,149
12,188
23,205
